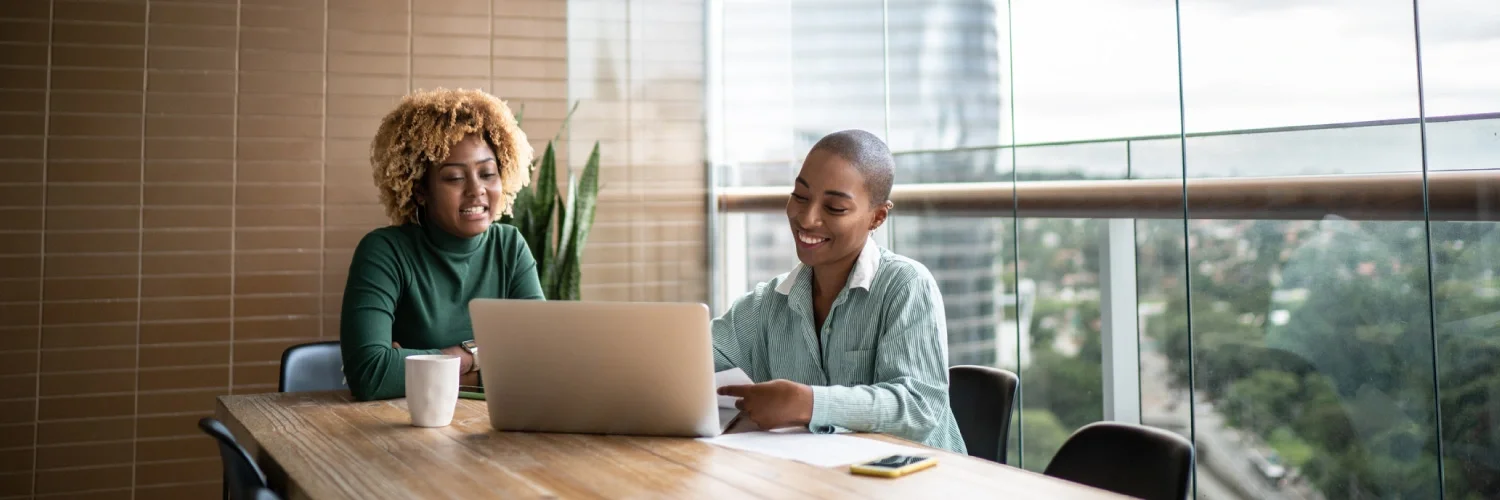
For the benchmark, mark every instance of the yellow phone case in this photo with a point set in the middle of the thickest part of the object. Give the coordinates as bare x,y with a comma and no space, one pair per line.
898,472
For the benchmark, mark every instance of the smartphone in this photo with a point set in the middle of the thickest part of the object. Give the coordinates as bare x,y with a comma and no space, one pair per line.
894,466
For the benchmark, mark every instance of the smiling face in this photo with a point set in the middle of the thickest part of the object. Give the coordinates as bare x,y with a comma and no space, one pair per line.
831,211
461,192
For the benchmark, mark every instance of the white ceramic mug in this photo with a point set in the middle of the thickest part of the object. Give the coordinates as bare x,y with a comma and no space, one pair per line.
431,389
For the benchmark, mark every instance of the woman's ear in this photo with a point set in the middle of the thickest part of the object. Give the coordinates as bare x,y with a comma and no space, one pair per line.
881,212
419,194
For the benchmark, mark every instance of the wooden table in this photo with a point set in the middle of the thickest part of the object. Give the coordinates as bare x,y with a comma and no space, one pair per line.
325,445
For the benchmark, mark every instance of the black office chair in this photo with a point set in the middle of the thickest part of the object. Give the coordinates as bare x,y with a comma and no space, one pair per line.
983,399
317,366
241,476
1133,460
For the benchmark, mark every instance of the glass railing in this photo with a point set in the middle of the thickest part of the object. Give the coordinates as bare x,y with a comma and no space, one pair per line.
1317,307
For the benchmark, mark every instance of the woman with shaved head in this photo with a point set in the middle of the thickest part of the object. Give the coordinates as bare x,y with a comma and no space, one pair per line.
854,337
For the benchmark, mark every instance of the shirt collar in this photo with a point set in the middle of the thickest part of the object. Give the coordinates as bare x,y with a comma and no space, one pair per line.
862,276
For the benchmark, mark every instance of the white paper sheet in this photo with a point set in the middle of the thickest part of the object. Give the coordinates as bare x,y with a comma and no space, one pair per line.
822,450
732,376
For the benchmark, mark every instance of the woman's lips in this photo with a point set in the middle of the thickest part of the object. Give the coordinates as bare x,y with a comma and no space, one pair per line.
809,241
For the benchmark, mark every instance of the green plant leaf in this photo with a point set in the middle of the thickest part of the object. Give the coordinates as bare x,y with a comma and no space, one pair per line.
556,224
565,218
585,200
543,204
566,120
520,212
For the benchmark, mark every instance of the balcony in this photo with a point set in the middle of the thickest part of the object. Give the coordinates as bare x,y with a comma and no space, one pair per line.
1327,335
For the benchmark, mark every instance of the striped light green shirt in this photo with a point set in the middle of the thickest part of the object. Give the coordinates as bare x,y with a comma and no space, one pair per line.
881,364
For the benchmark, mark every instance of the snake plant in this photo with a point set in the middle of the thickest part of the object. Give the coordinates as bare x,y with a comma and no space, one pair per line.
556,224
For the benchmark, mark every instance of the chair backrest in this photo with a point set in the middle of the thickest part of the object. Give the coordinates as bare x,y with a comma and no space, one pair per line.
241,475
317,366
264,494
1133,460
983,399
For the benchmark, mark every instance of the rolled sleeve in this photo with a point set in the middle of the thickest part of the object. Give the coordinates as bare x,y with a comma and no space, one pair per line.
910,394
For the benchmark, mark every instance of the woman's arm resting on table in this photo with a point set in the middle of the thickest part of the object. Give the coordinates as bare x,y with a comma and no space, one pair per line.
373,366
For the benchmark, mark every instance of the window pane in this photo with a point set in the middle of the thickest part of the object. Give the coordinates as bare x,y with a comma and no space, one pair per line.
1060,318
1460,42
756,65
1311,340
945,66
1091,70
1252,63
1459,38
838,69
973,261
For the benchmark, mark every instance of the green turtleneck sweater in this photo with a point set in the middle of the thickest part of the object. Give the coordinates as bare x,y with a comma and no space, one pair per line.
412,284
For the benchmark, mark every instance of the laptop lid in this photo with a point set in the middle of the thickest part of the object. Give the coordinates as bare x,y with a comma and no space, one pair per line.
597,367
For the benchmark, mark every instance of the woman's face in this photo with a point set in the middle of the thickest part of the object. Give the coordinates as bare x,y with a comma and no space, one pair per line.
830,210
462,192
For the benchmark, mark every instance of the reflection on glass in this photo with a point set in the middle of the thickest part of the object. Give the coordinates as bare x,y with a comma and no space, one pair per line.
838,69
944,70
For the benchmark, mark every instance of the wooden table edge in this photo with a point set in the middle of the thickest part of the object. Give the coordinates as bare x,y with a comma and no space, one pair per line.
283,484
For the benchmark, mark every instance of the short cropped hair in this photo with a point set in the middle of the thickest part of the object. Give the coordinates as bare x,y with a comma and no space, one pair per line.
868,154
419,132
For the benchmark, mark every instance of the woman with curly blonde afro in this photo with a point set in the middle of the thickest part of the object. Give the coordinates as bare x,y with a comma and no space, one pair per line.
448,164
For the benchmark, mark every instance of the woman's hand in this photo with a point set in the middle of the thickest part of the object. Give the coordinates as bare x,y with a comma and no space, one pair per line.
774,404
466,360
465,363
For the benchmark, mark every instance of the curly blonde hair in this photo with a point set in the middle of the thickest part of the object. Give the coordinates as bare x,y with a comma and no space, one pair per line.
419,132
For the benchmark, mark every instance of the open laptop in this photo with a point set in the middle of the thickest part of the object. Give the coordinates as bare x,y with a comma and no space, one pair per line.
598,367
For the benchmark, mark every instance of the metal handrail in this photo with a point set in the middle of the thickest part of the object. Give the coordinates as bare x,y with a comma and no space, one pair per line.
1468,195
1463,195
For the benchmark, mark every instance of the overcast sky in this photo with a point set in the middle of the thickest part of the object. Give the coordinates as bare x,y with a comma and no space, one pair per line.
1093,69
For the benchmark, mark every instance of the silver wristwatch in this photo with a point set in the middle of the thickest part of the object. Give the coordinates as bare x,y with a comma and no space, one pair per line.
473,349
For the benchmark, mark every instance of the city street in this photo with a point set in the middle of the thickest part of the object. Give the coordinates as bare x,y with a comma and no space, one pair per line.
1224,467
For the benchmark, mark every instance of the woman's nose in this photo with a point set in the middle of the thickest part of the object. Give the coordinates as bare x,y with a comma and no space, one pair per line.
808,218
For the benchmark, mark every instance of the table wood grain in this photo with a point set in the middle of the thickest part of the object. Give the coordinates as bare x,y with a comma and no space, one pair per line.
326,445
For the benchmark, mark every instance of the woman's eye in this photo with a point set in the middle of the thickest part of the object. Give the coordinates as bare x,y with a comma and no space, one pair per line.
798,197
454,179
488,175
